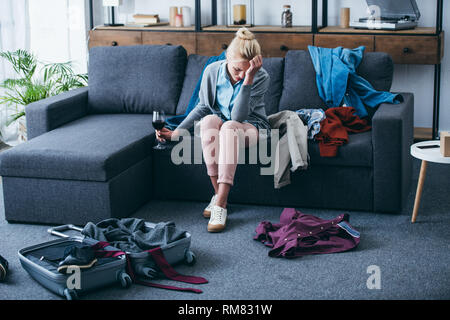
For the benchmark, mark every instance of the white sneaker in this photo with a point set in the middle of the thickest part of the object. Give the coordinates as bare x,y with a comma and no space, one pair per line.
218,219
207,211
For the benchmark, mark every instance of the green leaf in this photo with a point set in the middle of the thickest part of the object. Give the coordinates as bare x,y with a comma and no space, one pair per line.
14,117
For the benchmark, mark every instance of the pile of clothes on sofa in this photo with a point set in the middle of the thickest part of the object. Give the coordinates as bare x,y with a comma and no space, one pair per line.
346,95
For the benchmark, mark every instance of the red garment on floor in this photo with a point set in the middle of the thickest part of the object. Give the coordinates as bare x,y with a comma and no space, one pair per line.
335,127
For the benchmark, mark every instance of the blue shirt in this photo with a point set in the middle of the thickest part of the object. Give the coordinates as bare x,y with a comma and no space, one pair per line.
226,93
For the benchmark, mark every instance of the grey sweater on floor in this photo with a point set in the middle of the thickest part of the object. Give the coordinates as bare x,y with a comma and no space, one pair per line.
249,103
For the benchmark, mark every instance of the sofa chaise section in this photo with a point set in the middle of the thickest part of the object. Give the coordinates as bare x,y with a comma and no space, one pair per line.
95,167
89,154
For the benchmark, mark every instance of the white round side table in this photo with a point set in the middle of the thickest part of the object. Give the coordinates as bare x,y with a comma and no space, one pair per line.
426,155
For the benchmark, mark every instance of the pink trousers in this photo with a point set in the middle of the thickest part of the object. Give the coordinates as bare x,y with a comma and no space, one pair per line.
220,145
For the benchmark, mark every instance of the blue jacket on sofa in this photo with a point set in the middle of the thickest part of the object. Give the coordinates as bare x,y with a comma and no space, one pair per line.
337,80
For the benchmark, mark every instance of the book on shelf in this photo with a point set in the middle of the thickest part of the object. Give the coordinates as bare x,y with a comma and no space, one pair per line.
146,18
143,25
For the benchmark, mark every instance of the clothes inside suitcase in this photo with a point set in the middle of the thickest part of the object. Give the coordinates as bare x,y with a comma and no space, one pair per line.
41,262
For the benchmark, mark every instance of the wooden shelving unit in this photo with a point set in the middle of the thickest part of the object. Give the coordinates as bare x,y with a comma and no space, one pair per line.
293,29
416,31
152,28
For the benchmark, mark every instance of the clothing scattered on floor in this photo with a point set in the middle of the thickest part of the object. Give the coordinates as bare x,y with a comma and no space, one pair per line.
292,149
132,234
3,268
335,128
311,118
173,122
299,234
338,82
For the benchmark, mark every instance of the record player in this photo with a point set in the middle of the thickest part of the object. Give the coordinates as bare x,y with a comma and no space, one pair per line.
389,15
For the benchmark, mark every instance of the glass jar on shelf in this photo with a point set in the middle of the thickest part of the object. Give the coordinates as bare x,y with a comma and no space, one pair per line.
286,17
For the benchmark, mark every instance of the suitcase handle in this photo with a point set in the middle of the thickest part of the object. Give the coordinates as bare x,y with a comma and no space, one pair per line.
57,231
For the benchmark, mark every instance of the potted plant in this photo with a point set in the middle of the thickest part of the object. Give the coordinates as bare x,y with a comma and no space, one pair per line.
34,81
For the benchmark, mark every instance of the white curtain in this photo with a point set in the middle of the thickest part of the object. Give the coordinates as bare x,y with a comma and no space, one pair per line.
53,30
14,34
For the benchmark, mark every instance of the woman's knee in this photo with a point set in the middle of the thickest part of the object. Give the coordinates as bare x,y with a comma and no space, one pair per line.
231,124
209,128
211,121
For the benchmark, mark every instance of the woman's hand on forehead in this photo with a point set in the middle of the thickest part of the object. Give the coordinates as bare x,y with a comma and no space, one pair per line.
255,65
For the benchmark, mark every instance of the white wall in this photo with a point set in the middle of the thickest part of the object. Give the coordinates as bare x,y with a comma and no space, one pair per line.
444,117
408,78
58,31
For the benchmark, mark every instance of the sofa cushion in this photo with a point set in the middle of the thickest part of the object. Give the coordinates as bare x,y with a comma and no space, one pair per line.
358,152
93,148
135,79
275,69
193,72
299,83
299,86
196,63
378,69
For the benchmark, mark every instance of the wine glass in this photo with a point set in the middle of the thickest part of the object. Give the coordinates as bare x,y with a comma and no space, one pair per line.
158,122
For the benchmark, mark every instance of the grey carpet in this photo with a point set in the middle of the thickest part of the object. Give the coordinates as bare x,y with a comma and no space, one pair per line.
414,259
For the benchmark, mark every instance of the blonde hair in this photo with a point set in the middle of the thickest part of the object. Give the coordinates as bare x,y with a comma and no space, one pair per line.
244,44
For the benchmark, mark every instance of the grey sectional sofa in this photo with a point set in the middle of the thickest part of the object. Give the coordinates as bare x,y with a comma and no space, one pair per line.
89,155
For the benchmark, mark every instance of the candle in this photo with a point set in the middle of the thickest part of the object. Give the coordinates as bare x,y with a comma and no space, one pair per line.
239,14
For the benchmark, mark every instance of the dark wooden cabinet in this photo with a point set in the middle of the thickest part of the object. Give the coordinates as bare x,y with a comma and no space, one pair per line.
213,43
277,45
204,43
185,39
404,48
114,38
346,41
411,49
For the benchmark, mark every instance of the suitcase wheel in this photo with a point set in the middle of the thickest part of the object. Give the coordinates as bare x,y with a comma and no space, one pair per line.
150,272
70,294
190,258
125,280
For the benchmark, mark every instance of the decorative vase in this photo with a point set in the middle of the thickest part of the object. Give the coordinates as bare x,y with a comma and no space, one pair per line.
15,132
173,11
22,129
179,20
186,12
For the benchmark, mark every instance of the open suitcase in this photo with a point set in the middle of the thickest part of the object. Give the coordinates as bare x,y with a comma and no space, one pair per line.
41,262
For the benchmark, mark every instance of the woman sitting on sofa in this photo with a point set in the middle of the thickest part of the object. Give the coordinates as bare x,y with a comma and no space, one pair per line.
231,101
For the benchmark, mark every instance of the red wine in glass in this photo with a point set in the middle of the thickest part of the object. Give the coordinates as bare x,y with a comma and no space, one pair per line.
158,122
